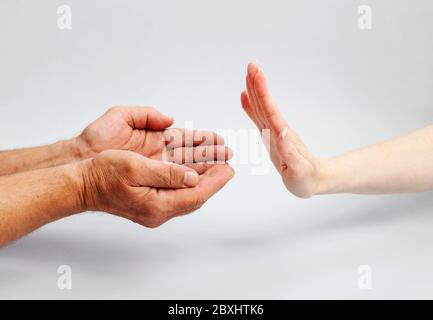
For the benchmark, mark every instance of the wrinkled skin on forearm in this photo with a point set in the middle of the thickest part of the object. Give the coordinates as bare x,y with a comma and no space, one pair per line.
32,199
124,183
115,166
56,154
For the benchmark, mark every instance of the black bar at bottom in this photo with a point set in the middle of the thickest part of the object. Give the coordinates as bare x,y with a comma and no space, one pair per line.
218,309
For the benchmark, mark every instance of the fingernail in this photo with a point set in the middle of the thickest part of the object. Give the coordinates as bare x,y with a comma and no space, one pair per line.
284,133
190,179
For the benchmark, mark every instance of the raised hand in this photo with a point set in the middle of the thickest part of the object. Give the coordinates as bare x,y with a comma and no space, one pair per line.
144,130
146,191
299,169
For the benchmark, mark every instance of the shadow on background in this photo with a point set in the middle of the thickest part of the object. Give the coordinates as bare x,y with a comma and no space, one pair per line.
375,212
97,256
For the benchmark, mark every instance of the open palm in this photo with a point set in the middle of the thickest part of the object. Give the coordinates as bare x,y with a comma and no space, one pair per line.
144,130
297,166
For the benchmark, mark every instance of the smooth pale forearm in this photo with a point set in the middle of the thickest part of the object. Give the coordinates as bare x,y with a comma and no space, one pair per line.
32,199
404,164
55,154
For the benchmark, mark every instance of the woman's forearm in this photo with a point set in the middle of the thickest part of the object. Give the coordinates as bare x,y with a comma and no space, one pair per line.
59,153
404,164
31,199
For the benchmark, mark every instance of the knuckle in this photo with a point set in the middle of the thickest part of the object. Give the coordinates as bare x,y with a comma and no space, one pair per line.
127,169
117,160
169,176
131,164
152,216
198,202
107,159
172,175
165,176
113,155
153,224
157,216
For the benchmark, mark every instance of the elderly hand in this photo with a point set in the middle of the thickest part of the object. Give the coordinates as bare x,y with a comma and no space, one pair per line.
145,130
146,191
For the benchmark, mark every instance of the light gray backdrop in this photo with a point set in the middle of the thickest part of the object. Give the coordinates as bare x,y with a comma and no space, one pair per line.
340,87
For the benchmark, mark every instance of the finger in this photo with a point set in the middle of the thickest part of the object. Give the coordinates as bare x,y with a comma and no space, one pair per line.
176,137
160,174
251,73
198,154
200,168
145,118
246,105
181,201
269,109
254,103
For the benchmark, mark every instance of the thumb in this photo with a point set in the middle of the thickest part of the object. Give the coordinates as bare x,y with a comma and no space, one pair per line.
160,174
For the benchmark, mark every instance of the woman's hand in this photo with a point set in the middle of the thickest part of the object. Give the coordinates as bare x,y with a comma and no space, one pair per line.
299,169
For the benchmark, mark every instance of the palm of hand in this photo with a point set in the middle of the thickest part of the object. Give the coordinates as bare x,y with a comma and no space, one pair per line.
292,159
113,132
145,131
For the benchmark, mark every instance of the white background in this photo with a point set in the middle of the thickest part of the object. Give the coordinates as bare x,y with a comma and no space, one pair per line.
341,88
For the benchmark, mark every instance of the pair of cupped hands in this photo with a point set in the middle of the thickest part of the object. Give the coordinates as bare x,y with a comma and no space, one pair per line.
142,169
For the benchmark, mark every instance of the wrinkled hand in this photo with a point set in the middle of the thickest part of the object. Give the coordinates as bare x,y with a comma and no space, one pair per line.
299,169
146,191
144,130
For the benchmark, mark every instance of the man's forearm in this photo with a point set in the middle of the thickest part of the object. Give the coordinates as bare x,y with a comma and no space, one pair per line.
404,164
59,153
31,199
